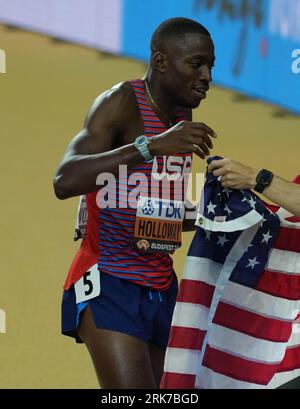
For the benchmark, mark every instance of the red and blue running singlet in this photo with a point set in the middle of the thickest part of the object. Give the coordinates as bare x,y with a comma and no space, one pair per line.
134,243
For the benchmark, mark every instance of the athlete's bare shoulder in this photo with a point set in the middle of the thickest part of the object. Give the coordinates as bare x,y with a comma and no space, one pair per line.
115,105
109,116
119,93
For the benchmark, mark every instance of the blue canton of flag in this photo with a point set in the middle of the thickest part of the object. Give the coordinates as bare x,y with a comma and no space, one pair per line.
234,223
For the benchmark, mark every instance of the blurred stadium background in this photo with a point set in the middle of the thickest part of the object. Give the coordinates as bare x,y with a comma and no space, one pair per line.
60,55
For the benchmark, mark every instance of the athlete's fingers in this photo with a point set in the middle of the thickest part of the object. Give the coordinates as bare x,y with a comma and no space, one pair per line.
201,141
198,151
201,145
203,135
207,129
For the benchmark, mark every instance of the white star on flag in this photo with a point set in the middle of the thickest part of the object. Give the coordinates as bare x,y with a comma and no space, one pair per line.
226,208
211,208
267,237
262,222
252,203
222,240
250,245
208,234
252,263
227,191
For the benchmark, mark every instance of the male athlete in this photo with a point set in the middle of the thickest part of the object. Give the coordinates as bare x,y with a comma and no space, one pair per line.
121,289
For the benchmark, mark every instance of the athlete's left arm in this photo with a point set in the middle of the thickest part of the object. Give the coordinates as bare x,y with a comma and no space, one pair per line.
190,210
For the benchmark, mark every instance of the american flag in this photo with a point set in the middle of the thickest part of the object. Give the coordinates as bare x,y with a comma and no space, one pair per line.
235,323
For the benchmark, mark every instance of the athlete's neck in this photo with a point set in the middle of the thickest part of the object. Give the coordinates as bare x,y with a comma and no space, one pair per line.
161,99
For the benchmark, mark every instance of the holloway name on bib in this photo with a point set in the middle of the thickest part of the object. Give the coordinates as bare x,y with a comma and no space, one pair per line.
158,225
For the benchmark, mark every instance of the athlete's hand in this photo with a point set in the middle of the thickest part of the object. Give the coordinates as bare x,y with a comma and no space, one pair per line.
186,136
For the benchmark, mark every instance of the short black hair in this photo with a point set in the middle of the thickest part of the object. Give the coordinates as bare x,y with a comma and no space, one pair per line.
176,26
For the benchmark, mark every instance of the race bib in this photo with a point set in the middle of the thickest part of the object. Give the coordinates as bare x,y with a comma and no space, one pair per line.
88,286
158,225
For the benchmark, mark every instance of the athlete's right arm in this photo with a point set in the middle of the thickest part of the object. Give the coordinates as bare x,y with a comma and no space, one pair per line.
91,151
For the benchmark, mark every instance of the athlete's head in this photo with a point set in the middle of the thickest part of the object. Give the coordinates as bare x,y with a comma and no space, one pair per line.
182,56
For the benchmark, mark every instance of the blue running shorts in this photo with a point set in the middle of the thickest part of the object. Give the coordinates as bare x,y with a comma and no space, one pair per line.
125,307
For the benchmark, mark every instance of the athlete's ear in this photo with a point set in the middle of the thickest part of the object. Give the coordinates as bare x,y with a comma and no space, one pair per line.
159,60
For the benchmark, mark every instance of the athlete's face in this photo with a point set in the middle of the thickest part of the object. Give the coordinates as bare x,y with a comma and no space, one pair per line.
189,62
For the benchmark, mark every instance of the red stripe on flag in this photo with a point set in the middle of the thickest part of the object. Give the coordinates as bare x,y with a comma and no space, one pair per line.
291,360
293,219
177,381
288,240
196,292
239,368
187,338
281,285
252,324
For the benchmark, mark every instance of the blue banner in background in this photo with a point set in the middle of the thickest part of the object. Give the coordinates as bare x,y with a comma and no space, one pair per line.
256,41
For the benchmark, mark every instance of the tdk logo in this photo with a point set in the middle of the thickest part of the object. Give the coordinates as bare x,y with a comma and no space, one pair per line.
169,209
296,62
148,208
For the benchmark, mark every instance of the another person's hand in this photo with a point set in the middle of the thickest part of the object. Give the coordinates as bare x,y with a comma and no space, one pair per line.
233,174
